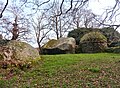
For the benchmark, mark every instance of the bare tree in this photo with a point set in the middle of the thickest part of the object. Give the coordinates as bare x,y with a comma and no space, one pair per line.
59,23
40,26
110,17
15,24
37,5
84,18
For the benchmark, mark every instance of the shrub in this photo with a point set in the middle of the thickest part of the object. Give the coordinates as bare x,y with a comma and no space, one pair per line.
93,42
78,34
109,33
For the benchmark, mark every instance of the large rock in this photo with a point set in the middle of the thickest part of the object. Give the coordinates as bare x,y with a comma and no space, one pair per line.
115,44
17,50
93,42
61,46
109,32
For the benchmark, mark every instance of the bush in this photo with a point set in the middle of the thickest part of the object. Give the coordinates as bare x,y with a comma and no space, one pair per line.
93,42
109,33
78,34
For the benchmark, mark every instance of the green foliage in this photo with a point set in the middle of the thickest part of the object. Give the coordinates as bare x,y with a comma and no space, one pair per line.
2,84
109,33
78,33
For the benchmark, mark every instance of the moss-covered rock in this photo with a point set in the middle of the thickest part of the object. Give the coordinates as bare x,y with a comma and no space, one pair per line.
110,33
18,52
23,50
50,44
78,34
61,46
114,44
113,49
93,42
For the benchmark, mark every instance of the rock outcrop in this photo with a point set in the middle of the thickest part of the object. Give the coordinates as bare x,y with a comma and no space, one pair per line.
61,46
17,50
93,42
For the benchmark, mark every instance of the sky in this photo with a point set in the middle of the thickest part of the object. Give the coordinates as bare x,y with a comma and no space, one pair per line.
99,6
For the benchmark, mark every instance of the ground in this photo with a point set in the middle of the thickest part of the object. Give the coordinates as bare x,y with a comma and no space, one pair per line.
101,70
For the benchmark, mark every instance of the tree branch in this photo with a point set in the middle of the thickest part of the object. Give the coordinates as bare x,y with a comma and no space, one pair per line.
71,4
4,9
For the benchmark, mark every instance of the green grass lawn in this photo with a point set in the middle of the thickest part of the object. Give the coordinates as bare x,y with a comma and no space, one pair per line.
100,70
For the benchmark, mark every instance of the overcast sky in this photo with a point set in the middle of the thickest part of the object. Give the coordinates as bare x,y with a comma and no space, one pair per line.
98,6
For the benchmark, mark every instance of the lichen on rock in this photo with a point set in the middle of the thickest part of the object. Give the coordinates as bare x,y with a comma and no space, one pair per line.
50,43
60,46
93,42
17,51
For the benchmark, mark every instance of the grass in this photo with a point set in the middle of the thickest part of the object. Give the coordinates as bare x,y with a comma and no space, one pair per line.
100,70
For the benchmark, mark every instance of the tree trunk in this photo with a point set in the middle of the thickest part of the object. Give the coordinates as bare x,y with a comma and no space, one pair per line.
57,33
60,29
15,30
